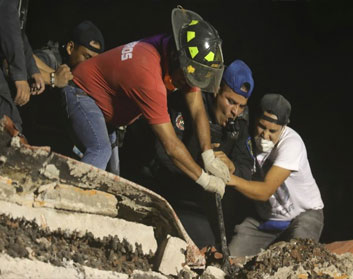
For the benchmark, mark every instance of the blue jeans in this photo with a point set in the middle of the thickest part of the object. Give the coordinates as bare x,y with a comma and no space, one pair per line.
90,130
249,240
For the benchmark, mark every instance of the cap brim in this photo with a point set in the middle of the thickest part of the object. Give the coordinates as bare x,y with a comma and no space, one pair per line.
181,17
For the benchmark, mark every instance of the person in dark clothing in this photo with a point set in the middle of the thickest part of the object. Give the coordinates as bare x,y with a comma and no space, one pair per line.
228,117
45,122
18,65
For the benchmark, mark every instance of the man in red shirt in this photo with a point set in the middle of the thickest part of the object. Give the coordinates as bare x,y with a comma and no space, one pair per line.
116,87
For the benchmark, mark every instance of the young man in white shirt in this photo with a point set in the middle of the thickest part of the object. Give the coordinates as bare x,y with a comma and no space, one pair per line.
288,200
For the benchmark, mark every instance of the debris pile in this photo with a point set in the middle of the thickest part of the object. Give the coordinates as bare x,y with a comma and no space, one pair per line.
25,239
61,218
299,258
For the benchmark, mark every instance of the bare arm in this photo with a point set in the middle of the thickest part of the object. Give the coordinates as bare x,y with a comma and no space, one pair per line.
200,120
44,69
257,190
176,150
62,74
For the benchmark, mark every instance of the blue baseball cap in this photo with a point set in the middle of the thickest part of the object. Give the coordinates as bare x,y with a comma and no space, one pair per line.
238,77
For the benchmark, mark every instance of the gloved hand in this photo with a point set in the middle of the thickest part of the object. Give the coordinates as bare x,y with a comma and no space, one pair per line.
211,183
215,165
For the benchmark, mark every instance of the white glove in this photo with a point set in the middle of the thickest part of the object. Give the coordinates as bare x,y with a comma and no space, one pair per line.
215,165
211,183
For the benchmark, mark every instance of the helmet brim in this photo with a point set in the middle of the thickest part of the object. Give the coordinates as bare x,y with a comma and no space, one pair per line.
197,74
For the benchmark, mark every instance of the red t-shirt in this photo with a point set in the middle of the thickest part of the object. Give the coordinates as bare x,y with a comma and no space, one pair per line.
125,82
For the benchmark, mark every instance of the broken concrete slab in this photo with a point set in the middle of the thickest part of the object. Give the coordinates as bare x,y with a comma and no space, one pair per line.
173,256
340,247
67,197
31,167
19,268
22,182
213,272
99,226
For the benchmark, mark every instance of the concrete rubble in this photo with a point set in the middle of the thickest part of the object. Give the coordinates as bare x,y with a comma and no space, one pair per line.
59,193
61,218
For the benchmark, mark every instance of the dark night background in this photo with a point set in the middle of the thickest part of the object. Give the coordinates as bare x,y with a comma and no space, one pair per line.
301,49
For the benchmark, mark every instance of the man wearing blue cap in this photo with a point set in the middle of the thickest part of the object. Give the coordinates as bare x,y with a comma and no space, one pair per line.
228,118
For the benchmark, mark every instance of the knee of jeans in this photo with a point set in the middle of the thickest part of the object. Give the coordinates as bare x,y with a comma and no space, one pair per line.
307,226
99,150
307,231
247,225
106,152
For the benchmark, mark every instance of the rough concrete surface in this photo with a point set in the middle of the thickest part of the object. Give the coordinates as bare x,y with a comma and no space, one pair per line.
298,259
340,247
172,255
61,196
17,268
29,168
51,228
99,226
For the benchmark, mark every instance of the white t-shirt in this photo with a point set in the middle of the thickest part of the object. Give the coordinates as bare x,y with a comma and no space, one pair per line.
299,192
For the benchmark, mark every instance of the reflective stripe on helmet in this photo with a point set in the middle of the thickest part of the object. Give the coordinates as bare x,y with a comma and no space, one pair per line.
193,51
190,35
210,56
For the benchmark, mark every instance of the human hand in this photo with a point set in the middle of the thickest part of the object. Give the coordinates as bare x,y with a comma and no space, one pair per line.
224,158
215,145
38,85
23,92
215,165
62,76
211,183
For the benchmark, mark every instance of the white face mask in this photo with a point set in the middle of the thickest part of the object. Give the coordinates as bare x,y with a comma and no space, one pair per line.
264,145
